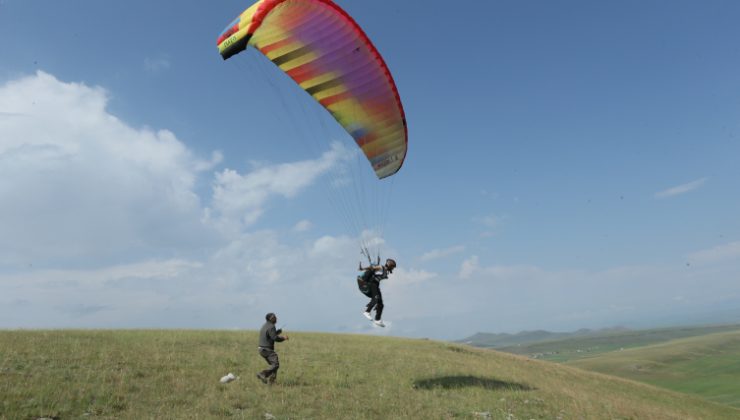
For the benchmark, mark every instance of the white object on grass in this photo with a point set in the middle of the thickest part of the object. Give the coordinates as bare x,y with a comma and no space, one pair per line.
228,378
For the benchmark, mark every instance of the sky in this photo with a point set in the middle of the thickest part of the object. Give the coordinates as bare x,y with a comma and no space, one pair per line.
570,165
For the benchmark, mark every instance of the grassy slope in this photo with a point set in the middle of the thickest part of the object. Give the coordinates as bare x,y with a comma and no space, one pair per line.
174,374
581,347
708,366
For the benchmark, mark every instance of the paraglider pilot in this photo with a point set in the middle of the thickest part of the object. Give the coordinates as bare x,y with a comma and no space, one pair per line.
371,277
268,336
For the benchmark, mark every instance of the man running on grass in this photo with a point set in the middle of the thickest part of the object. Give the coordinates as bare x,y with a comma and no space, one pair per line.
268,336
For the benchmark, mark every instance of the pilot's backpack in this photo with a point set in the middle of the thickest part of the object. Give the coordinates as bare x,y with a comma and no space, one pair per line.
363,282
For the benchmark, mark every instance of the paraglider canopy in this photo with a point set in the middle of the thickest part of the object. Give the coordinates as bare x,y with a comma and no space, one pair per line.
328,55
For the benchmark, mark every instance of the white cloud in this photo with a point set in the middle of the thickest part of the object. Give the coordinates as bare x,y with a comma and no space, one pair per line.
100,226
98,277
245,278
154,269
303,226
206,165
411,276
472,267
469,267
681,189
441,253
725,252
330,245
79,186
110,296
499,298
491,223
239,199
77,183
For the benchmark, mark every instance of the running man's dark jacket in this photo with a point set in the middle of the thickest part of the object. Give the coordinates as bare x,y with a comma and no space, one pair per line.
269,335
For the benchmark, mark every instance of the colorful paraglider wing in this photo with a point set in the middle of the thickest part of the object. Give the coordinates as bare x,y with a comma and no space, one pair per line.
323,50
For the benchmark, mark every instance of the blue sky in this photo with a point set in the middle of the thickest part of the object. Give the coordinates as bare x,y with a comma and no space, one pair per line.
571,164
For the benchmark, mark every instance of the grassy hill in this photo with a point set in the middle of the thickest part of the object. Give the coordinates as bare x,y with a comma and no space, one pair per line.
598,342
708,366
174,374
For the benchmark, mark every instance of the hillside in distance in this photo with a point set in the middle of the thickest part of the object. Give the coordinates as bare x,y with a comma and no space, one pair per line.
501,340
562,347
707,365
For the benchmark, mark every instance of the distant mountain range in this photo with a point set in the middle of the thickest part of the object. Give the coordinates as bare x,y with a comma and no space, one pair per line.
527,337
565,346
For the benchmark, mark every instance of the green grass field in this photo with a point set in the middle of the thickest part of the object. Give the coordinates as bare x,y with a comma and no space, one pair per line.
708,366
175,374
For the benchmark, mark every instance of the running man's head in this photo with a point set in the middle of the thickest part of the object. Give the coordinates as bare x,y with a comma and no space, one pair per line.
271,317
390,264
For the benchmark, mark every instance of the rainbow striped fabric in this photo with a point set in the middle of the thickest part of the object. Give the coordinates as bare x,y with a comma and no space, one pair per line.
325,52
